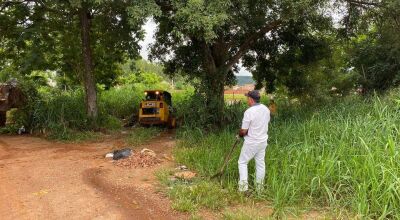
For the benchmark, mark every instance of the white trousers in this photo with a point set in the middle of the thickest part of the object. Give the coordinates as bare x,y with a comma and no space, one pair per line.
250,151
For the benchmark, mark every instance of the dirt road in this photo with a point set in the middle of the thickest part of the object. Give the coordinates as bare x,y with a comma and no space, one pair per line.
40,179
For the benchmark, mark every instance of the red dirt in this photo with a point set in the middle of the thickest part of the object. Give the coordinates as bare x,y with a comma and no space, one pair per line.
40,179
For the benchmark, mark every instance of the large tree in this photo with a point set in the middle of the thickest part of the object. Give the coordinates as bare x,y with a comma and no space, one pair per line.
206,39
373,27
83,39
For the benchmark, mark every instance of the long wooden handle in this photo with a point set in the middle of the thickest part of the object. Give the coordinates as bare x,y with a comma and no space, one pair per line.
228,156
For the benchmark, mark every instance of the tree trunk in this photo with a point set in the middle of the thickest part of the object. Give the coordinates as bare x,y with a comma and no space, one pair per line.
88,75
214,81
215,96
3,118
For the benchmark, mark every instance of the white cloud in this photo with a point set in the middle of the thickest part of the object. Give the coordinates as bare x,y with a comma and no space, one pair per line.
150,29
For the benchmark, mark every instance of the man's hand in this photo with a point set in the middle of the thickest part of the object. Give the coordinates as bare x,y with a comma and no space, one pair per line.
243,132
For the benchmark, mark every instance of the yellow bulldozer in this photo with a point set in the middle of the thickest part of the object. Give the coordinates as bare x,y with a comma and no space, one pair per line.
156,109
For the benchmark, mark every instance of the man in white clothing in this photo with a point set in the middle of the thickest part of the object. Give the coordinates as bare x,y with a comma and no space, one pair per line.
255,132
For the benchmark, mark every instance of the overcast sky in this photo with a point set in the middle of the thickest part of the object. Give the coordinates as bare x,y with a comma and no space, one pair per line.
150,28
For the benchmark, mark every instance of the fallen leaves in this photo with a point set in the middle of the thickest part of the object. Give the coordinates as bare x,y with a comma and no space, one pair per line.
142,159
185,175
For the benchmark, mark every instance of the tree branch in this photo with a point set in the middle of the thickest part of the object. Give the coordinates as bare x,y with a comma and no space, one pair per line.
38,3
52,10
250,41
165,6
363,3
5,5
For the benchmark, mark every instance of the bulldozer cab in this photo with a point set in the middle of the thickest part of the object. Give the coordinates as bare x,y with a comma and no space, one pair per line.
156,108
158,96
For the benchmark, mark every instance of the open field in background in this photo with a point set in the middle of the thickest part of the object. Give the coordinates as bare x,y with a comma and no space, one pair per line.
231,98
235,96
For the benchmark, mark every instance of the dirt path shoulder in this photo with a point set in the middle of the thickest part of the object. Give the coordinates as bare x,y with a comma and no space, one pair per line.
40,179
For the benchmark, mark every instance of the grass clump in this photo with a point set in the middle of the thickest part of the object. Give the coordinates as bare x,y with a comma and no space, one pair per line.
242,215
190,196
205,152
62,133
202,194
9,129
121,102
140,135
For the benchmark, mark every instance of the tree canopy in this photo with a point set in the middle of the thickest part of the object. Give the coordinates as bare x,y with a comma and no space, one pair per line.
82,39
375,47
207,39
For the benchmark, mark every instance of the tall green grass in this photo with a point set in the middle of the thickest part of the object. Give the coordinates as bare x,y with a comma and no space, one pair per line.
62,114
195,194
192,112
344,156
140,135
121,102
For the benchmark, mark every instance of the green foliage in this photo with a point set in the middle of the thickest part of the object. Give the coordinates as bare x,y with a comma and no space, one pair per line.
343,156
121,102
372,28
9,129
141,135
192,196
146,66
61,133
200,195
296,57
145,78
7,73
204,40
61,108
376,58
61,114
201,18
243,215
192,111
144,75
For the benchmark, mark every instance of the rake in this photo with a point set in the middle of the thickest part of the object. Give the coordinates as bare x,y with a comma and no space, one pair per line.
226,161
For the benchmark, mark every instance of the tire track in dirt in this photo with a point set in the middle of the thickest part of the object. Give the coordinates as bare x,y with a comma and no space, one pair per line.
74,181
134,204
